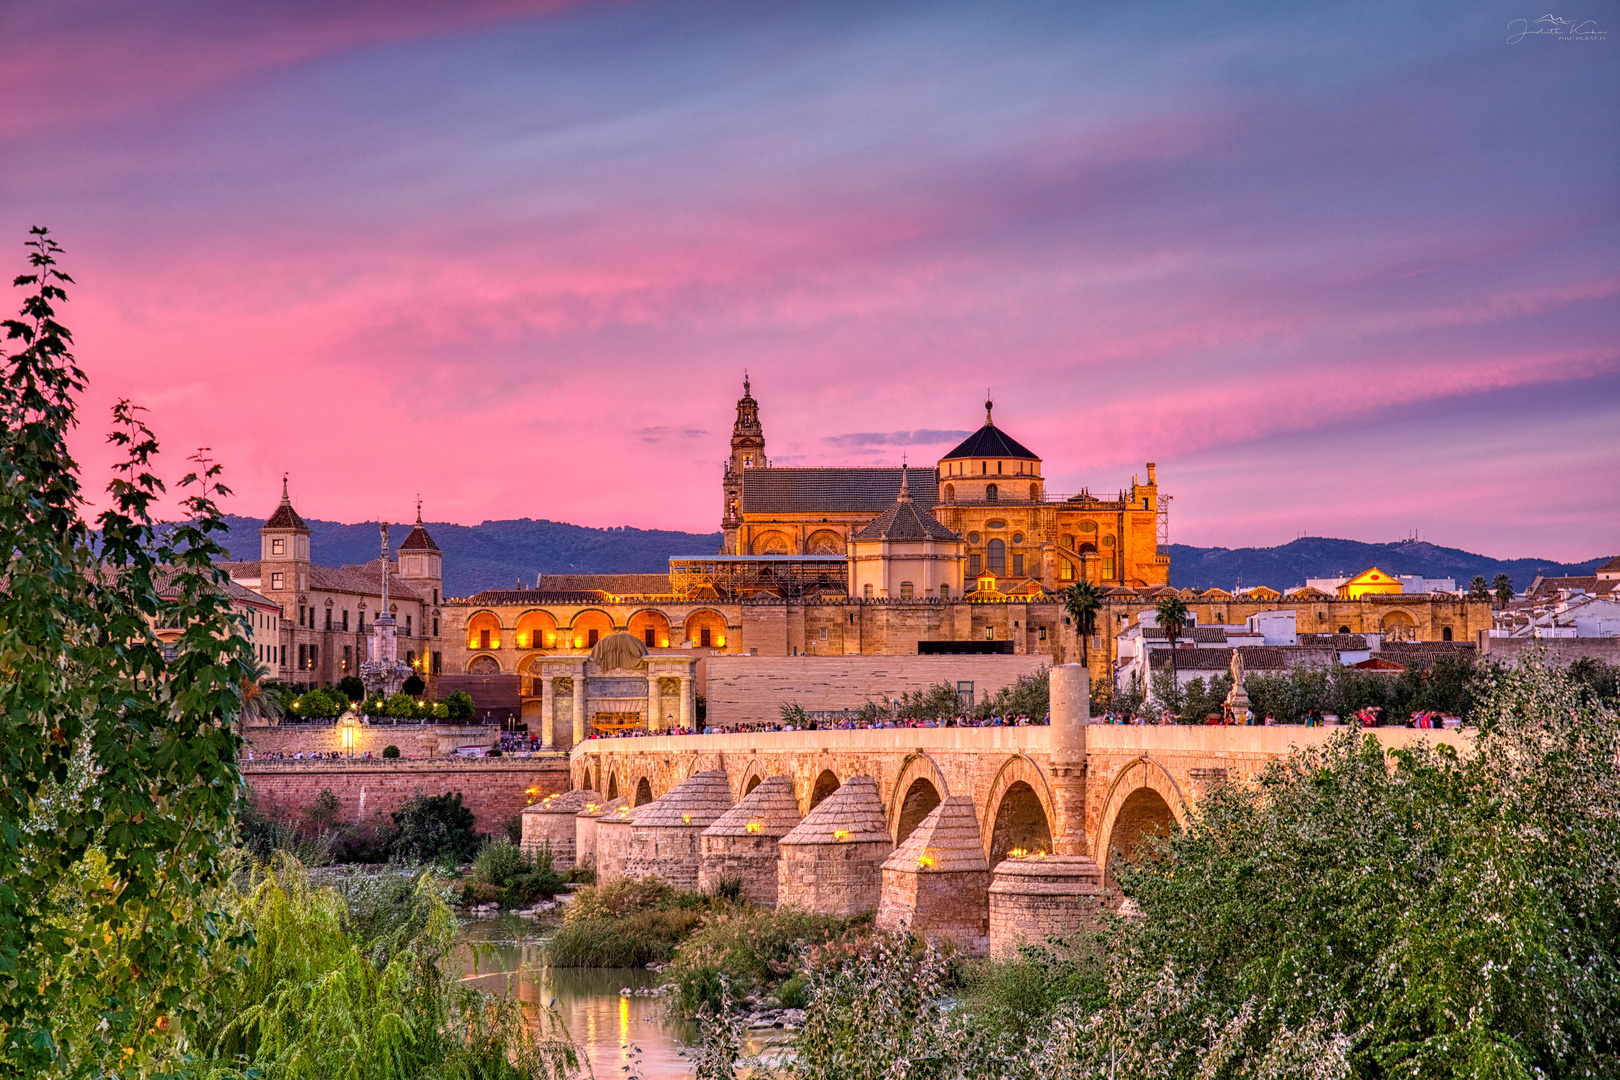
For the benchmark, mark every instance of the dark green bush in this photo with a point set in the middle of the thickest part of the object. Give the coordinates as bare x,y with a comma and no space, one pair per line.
352,688
435,828
754,950
460,705
390,751
634,940
506,874
413,686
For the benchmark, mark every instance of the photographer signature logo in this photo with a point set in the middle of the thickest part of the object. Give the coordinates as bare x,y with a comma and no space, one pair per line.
1554,27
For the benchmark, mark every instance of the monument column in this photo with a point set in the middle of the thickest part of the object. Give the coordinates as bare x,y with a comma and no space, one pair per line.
579,704
655,720
1071,713
683,716
548,710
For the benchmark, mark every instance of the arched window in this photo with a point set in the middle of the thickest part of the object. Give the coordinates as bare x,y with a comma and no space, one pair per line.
1034,493
996,557
991,494
950,493
1445,633
907,592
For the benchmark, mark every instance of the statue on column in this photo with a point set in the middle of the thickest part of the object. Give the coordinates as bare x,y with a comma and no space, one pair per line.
383,672
1237,699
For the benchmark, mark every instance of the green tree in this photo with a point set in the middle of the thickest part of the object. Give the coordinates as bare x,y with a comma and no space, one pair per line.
1081,602
435,828
1478,589
401,707
1502,586
352,688
1413,913
120,768
413,685
460,705
1173,617
260,703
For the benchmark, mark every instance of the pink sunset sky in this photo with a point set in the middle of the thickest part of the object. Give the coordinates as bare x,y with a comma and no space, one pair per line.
1346,270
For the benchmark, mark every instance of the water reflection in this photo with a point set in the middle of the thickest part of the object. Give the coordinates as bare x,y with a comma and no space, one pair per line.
603,1025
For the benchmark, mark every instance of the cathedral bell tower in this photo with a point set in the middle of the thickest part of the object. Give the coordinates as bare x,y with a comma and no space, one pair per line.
747,452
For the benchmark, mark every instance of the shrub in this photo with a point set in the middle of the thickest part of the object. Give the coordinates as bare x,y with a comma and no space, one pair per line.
635,940
754,950
401,707
504,872
435,828
390,751
322,704
352,688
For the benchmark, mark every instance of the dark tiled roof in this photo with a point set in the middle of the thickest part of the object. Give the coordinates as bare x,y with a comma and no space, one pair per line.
286,517
1206,633
904,521
1340,642
1610,567
990,441
807,491
1549,587
419,540
620,584
365,579
509,597
163,581
1422,654
1256,658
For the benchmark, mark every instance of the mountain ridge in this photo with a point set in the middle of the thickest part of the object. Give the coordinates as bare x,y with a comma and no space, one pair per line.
500,553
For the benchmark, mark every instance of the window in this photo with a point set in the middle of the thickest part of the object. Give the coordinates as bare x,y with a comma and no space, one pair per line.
1043,633
866,591
345,618
906,591
950,493
483,639
329,618
1108,569
1445,633
300,614
408,626
991,494
278,547
1034,493
438,662
822,634
410,657
435,627
998,468
1018,566
964,695
650,636
276,581
595,635
944,592
1065,571
435,601
1344,629
362,620
704,637
989,633
348,651
996,557
973,564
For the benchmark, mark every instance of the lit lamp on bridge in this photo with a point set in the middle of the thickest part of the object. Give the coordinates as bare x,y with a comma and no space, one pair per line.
346,732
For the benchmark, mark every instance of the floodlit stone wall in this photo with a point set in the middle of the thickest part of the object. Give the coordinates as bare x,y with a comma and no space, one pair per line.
549,825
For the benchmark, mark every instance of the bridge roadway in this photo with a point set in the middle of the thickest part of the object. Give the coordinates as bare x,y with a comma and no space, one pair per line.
1136,778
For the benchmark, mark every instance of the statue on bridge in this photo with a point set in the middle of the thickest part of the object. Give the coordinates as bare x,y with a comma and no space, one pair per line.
1237,699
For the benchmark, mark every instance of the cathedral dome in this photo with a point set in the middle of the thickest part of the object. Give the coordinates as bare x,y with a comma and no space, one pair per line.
991,442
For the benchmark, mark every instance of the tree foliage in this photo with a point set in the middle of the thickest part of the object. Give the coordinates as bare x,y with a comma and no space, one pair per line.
120,768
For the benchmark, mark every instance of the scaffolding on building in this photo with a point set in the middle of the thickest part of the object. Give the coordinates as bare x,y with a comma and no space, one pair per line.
743,577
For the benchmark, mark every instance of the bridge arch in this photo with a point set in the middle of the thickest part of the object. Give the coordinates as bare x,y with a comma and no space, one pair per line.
825,784
1019,809
1143,799
644,793
749,779
919,788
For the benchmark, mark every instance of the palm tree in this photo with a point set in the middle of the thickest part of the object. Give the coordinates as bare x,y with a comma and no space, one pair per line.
259,703
1502,585
1478,589
1081,602
1173,617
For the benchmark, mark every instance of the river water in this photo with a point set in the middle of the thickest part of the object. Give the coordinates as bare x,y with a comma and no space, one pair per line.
606,1027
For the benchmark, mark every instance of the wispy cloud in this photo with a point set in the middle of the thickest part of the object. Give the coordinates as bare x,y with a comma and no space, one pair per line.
919,437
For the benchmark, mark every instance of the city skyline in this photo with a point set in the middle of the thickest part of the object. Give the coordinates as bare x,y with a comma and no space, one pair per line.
1344,272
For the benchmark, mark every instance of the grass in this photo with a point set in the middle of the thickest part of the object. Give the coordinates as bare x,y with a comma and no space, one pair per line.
503,873
625,923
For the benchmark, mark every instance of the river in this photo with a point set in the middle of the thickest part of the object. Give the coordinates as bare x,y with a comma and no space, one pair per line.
603,1025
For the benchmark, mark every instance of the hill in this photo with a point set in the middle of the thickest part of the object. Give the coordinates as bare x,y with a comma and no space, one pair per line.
1318,556
499,554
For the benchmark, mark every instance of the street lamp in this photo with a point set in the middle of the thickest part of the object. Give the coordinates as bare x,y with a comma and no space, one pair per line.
346,732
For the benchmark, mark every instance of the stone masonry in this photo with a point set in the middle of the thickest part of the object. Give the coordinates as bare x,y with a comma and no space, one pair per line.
831,861
549,825
742,844
936,883
664,833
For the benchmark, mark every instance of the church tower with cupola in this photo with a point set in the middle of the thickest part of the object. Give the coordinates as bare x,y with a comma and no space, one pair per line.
421,564
284,551
747,452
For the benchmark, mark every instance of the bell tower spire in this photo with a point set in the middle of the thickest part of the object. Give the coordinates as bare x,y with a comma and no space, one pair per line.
747,452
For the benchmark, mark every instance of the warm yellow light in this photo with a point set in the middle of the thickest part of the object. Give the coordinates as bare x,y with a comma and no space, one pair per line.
720,641
925,862
590,808
686,819
579,642
755,826
840,834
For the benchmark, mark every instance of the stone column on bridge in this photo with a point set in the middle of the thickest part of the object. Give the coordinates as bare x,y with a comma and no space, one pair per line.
1036,896
655,717
548,710
684,717
579,703
1071,714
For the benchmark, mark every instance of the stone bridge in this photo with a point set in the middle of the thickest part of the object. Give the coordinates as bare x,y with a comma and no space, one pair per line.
1132,780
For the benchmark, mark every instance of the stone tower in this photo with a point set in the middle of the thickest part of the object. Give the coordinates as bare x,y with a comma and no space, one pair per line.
421,564
284,552
747,452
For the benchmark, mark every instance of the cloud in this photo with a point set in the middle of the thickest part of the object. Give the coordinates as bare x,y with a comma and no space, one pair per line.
661,432
919,437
